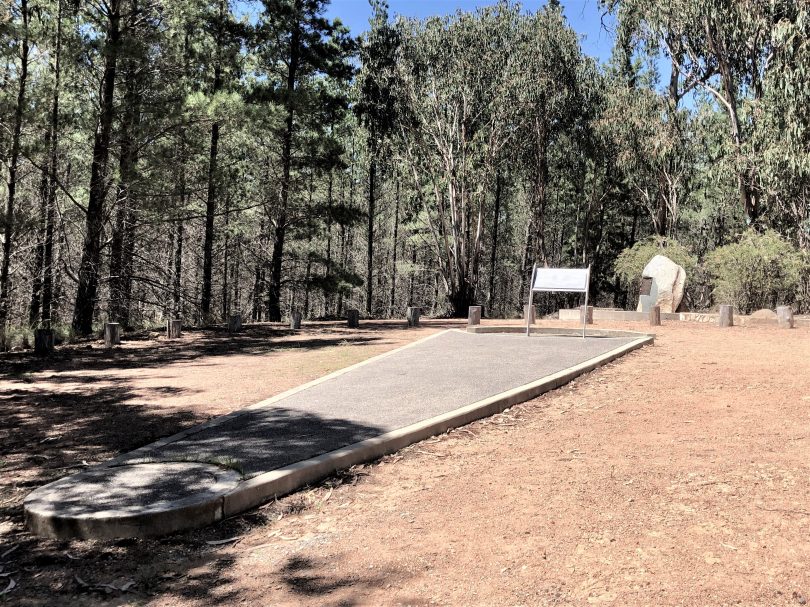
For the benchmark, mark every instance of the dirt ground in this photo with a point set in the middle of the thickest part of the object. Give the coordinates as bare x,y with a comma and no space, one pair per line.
677,475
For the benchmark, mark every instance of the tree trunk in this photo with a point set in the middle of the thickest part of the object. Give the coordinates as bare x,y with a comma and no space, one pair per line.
13,166
39,253
211,197
748,199
274,294
372,176
494,254
327,304
394,255
413,274
177,278
226,308
126,198
210,212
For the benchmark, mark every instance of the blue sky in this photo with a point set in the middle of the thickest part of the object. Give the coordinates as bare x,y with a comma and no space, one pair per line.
584,15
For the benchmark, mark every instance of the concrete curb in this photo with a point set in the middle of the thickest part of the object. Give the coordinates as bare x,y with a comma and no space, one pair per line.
180,515
564,331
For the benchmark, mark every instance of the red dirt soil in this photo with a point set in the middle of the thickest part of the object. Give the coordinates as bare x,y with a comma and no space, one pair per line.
678,475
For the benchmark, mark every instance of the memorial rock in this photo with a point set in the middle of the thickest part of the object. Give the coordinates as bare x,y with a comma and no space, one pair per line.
662,284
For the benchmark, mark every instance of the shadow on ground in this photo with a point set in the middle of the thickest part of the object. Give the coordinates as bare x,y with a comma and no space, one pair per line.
253,340
49,433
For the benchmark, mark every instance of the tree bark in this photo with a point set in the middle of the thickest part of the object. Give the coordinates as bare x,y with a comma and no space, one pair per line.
494,253
274,294
126,200
91,250
177,307
211,196
372,177
13,167
226,308
39,253
394,254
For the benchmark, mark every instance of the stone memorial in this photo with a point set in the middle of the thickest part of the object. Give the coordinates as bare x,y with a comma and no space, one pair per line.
655,316
234,323
530,314
412,315
662,284
353,318
474,315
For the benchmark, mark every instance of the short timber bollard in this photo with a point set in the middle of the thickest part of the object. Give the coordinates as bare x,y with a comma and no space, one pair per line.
174,328
412,315
587,313
474,316
112,334
655,316
726,318
529,314
353,318
43,342
295,320
784,315
234,323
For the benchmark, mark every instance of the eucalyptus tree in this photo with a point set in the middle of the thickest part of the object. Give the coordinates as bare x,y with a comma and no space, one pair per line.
784,131
721,47
552,102
296,46
458,78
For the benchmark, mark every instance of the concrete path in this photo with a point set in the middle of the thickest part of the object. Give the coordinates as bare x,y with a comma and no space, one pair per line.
239,460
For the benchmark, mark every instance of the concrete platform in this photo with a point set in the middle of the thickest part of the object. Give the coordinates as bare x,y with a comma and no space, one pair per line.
240,460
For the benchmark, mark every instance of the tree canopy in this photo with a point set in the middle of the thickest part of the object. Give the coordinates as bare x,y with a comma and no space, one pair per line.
199,158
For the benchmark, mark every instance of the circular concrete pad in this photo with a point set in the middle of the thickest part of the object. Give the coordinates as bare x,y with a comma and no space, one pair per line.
130,500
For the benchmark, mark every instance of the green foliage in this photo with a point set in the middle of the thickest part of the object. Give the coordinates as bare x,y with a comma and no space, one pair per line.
758,271
630,262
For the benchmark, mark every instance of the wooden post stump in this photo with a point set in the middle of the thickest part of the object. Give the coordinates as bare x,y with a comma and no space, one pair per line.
412,315
353,318
43,342
174,328
530,314
234,323
112,334
587,313
655,316
295,320
726,318
784,315
474,315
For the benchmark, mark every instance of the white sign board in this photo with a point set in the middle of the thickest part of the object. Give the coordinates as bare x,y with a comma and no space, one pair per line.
572,280
561,279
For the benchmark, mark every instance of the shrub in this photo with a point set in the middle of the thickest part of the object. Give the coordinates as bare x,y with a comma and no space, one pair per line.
760,271
630,262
